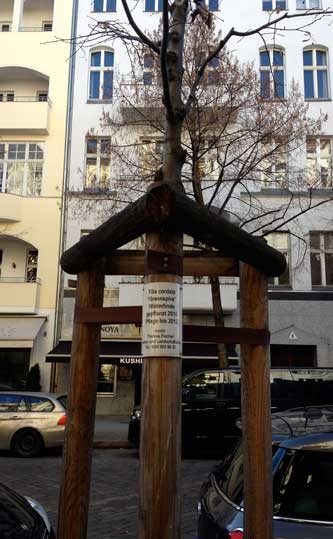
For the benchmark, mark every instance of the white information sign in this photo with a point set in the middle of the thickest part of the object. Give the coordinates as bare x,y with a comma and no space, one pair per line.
162,320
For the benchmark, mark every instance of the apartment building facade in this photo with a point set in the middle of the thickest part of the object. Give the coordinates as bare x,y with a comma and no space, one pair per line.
301,312
34,73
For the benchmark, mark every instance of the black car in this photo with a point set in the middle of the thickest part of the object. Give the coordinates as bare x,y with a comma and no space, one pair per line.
22,518
302,492
211,403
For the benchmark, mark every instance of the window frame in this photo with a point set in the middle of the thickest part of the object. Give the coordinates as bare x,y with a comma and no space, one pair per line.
6,162
321,251
315,69
317,158
102,70
47,26
158,3
307,5
271,69
6,25
213,8
275,281
148,150
31,266
272,162
104,8
115,379
274,6
98,156
5,94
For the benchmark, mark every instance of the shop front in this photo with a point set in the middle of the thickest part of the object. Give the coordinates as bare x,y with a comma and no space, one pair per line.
120,368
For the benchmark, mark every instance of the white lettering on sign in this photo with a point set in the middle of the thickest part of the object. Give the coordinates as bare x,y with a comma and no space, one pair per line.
131,360
162,320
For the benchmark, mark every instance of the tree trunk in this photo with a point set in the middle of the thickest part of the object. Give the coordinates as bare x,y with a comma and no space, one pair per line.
218,318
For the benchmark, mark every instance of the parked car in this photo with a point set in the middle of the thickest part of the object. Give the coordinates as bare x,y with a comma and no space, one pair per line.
22,517
212,403
30,422
302,492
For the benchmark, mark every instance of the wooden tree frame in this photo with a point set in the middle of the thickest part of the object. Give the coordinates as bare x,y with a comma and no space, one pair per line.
167,208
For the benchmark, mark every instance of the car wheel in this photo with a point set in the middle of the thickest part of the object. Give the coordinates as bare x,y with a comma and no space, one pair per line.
27,443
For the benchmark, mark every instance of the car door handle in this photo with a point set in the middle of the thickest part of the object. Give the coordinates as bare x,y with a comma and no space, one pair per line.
15,417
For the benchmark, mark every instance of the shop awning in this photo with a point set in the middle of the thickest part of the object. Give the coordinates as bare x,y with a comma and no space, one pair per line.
129,352
19,331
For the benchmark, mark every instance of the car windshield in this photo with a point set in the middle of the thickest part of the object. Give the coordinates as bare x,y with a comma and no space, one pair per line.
303,485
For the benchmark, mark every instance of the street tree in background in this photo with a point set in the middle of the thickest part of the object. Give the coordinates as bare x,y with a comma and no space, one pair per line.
189,107
189,112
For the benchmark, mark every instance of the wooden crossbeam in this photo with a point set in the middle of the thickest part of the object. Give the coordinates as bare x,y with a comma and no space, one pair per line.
191,333
195,263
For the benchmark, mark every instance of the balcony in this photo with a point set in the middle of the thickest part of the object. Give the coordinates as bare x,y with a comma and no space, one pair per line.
37,16
18,295
10,208
196,296
25,115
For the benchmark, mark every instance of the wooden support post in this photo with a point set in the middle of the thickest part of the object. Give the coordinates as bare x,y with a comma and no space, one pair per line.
160,443
77,455
256,408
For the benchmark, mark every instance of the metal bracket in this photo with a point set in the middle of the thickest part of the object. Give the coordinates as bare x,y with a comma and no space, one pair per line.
157,262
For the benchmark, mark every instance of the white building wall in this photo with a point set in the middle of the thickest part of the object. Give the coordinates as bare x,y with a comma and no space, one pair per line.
242,16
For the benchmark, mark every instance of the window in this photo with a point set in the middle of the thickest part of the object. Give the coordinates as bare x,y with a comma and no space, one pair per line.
47,26
274,5
41,96
14,367
272,73
21,168
98,151
319,152
308,4
12,403
38,404
32,265
274,164
204,386
208,159
315,74
213,5
212,72
302,485
148,69
281,242
321,253
151,155
7,95
106,378
5,27
153,5
101,75
100,6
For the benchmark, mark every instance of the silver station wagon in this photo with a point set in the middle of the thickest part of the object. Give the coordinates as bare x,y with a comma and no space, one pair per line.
30,422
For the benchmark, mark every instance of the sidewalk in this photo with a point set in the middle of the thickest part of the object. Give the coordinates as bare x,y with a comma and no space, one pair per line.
111,432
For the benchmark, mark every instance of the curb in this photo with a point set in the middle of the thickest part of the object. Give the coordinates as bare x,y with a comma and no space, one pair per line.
113,444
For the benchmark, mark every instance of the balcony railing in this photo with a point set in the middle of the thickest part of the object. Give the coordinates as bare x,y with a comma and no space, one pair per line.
27,99
25,115
35,29
19,295
20,280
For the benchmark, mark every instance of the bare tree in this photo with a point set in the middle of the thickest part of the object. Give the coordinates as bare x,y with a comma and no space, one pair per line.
190,113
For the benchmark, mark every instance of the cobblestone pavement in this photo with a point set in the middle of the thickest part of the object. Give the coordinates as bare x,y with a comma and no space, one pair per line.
114,486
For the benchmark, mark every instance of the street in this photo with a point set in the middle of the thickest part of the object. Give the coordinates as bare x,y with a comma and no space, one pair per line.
114,487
